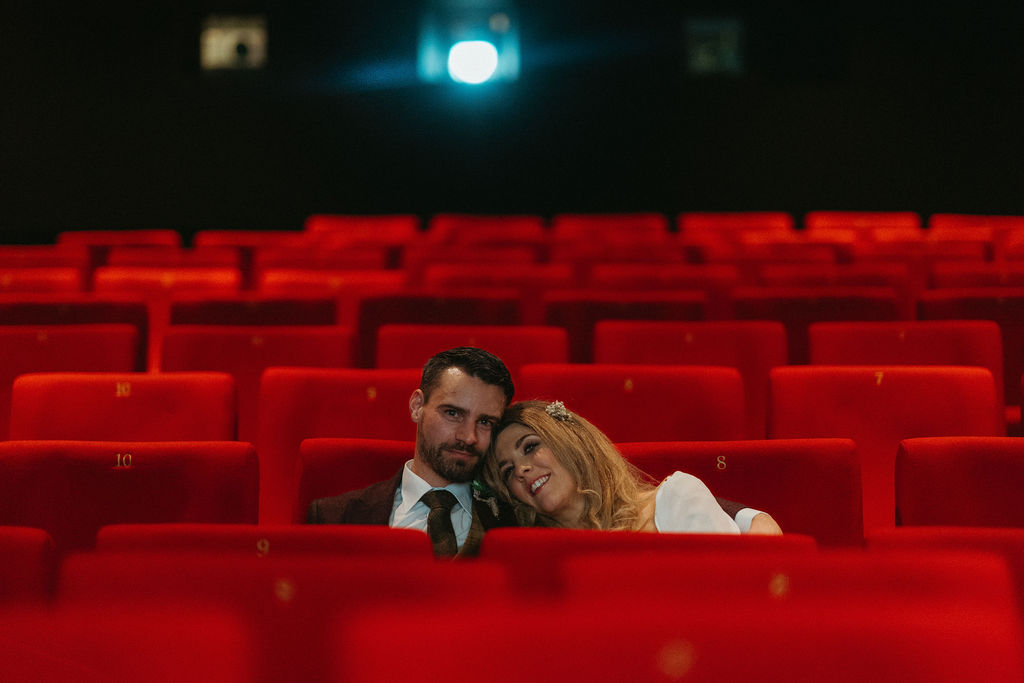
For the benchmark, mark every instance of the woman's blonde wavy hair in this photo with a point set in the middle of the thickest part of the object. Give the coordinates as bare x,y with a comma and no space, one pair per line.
613,489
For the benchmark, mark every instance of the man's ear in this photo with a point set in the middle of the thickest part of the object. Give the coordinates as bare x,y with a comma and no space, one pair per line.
416,402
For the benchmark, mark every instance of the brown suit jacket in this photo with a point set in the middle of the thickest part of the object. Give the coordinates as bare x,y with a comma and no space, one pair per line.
373,505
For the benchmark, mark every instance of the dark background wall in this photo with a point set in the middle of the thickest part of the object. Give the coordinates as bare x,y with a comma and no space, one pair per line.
107,121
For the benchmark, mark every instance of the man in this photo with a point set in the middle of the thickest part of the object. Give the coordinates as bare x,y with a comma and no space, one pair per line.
462,394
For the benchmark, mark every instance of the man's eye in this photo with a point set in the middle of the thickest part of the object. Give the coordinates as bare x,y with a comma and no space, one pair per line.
487,423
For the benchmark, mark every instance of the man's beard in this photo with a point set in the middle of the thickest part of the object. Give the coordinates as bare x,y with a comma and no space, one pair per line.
446,466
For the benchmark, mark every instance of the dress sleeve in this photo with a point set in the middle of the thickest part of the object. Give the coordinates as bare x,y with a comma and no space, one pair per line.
684,504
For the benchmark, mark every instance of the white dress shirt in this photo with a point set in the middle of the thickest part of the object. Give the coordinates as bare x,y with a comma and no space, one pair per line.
409,512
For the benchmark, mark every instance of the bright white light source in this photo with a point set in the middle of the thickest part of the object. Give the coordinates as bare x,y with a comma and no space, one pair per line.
472,61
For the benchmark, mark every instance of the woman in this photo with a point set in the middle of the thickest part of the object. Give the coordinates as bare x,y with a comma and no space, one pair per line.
549,462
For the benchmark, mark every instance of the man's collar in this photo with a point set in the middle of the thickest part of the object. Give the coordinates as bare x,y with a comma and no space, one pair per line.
413,487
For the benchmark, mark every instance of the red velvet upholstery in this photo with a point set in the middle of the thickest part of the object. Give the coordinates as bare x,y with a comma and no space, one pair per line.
960,481
810,486
328,467
300,403
246,351
72,488
28,564
752,347
644,402
877,407
409,346
798,307
62,348
268,540
97,406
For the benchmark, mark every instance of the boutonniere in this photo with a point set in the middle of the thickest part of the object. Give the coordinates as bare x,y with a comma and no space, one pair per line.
483,493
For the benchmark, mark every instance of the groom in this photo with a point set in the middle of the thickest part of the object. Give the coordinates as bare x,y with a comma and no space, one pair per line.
462,394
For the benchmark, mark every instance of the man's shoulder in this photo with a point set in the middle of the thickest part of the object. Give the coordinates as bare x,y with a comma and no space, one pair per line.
369,505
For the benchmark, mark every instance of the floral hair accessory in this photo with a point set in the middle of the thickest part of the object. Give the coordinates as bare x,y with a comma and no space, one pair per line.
557,410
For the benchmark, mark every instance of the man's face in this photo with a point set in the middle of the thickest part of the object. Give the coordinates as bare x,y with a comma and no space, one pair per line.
453,426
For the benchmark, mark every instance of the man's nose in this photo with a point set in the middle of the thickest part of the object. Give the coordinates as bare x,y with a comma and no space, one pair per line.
466,434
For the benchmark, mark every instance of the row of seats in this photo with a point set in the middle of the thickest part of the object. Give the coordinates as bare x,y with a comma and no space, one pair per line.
287,604
578,311
826,489
752,347
445,268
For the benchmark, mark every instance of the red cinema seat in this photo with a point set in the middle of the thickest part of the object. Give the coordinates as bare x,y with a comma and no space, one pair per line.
110,238
578,311
1006,542
965,220
695,640
345,288
784,578
245,352
530,283
861,220
809,486
163,280
910,342
877,407
384,228
441,307
286,600
1003,305
752,347
41,279
321,257
330,467
28,564
79,309
110,482
960,481
958,274
302,403
62,348
253,309
44,256
143,643
250,239
455,228
645,402
733,221
798,307
882,274
717,280
109,406
176,257
335,282
347,540
409,346
610,227
535,557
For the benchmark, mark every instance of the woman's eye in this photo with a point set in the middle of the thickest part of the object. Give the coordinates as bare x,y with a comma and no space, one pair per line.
528,448
506,472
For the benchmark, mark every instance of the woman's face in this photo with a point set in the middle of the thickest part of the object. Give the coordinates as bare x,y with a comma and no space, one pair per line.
535,477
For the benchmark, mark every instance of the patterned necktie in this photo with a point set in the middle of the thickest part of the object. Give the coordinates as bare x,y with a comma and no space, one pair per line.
439,522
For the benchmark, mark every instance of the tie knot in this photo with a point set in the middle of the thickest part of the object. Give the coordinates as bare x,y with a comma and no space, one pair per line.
439,499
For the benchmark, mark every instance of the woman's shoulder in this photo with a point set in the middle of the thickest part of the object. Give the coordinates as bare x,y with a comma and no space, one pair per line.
684,503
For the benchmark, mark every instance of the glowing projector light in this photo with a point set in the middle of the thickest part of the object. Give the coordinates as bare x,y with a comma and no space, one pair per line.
472,61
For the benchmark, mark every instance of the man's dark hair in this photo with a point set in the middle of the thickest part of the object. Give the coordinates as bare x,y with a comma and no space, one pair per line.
483,365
